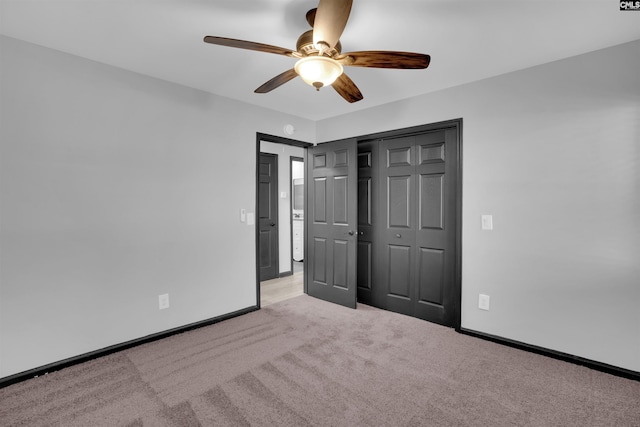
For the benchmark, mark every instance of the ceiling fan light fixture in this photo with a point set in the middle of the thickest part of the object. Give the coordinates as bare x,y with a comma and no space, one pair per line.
318,71
319,53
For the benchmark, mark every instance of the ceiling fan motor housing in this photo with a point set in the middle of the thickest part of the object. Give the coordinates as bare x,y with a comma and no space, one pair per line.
305,46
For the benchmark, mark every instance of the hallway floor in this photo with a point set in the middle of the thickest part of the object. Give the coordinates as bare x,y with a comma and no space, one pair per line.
275,290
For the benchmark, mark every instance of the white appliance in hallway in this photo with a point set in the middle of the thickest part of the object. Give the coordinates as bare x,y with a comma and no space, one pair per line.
298,219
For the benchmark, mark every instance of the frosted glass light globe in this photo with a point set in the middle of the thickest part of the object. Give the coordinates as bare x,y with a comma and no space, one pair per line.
318,71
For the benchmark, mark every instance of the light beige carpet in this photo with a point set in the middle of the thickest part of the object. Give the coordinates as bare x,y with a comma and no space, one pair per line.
307,362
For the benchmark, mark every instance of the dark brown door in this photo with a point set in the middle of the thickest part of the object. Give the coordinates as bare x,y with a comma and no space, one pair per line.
268,216
417,254
331,220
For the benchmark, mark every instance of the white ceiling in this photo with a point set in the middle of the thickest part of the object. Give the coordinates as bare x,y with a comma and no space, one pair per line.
468,40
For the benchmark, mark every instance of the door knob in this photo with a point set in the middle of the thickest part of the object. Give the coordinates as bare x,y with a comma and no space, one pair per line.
398,235
351,233
273,224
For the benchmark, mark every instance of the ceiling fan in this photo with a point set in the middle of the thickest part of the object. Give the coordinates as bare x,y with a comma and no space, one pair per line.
319,53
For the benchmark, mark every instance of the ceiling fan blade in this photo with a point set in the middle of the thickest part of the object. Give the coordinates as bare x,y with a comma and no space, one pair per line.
277,81
330,20
347,88
243,44
385,59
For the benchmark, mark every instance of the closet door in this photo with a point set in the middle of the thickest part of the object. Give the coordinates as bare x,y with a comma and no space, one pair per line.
436,226
395,288
416,255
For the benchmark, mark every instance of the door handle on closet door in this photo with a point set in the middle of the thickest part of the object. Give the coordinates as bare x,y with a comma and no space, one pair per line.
273,224
398,235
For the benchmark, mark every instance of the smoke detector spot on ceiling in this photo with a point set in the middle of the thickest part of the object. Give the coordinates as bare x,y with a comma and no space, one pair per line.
289,130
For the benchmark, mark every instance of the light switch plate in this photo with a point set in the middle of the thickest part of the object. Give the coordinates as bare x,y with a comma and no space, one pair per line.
283,194
250,218
484,302
243,215
487,222
163,301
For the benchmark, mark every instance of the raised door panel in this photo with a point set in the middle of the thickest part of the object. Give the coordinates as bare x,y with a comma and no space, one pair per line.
399,271
265,209
431,190
341,263
430,276
319,161
319,261
431,151
399,202
340,202
319,200
266,259
399,154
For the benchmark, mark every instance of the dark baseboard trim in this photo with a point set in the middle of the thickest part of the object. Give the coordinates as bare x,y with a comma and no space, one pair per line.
285,274
56,366
592,364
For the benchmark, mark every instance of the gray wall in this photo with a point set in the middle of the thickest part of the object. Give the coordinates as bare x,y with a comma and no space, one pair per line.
115,188
553,153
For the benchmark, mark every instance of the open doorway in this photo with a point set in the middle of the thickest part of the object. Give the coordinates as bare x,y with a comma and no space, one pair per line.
288,279
297,214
